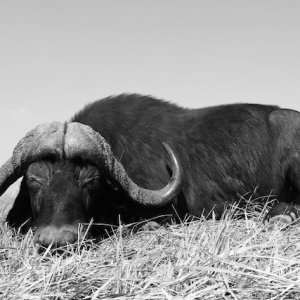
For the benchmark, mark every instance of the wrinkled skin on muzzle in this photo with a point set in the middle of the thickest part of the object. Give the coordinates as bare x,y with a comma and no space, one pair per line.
61,199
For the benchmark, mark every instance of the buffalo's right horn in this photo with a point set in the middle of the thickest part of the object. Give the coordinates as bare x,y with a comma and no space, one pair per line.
82,141
45,139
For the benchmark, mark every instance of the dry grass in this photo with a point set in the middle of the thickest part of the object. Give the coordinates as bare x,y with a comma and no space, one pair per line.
203,259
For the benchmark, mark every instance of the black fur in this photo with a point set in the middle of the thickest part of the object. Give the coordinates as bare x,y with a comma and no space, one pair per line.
224,152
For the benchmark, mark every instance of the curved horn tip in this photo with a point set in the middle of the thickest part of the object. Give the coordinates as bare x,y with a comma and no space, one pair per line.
164,196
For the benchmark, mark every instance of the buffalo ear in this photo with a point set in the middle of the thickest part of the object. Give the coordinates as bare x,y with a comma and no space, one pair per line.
8,198
20,213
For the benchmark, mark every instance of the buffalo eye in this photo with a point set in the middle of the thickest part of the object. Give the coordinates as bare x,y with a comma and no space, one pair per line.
90,182
89,177
33,180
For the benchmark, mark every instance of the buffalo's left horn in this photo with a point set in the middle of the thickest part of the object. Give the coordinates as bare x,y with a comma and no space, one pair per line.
82,141
45,139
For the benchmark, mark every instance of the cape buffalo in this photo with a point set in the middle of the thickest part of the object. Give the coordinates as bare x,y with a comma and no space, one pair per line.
139,157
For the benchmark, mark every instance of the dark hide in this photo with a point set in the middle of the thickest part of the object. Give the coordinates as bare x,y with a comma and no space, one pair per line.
224,151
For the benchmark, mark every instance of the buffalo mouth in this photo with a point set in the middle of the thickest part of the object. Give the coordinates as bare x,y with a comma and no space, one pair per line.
52,235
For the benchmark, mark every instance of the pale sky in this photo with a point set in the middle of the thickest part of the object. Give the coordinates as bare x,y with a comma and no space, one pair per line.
56,56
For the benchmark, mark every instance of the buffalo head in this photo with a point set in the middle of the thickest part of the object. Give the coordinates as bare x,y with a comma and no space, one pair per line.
64,166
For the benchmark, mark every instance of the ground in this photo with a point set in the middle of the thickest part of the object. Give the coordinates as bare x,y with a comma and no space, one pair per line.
204,259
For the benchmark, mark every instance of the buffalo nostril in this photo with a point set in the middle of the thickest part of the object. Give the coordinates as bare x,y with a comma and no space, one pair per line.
56,237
